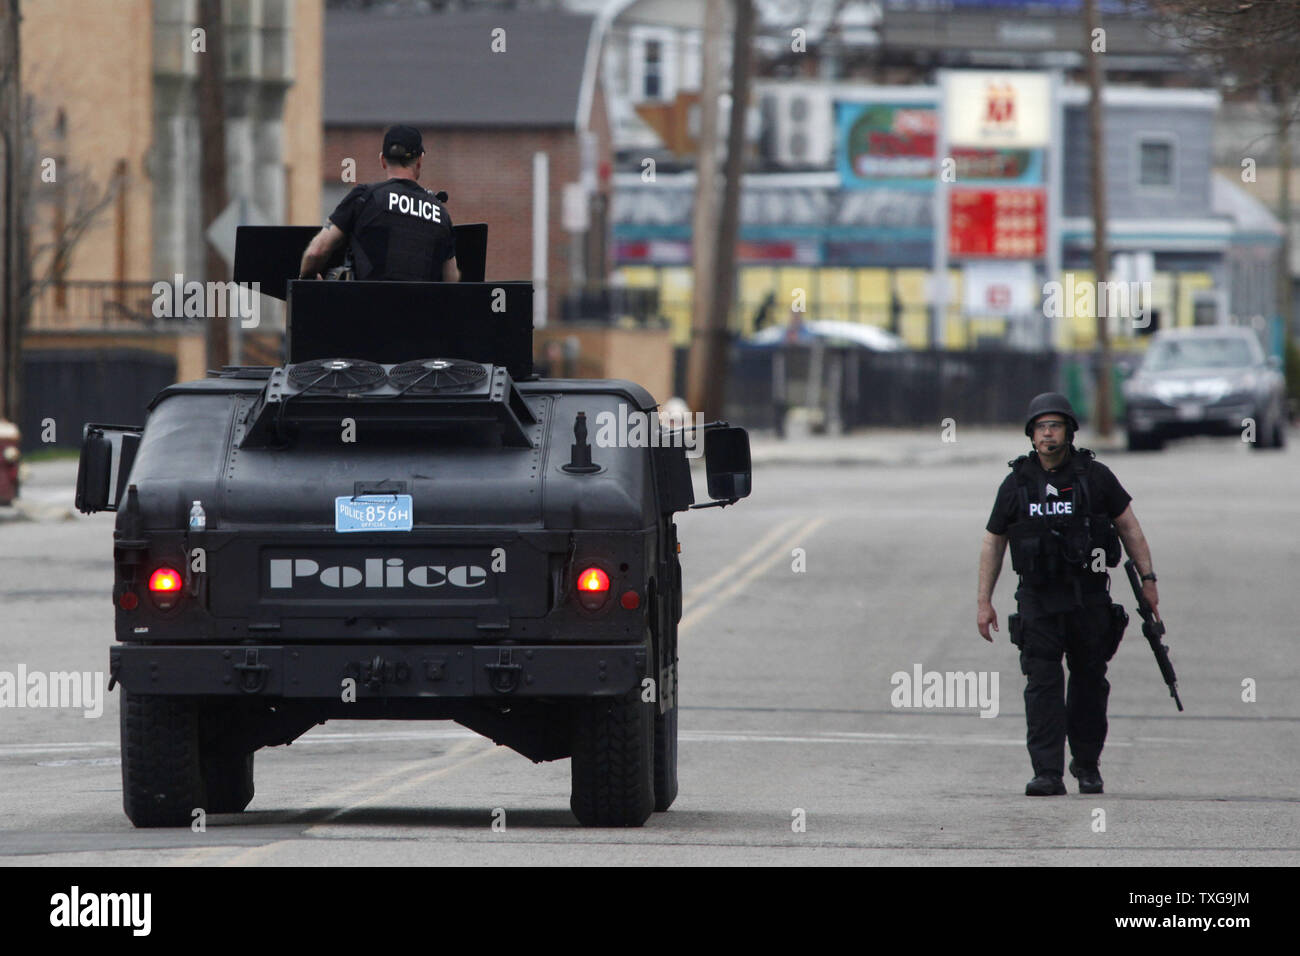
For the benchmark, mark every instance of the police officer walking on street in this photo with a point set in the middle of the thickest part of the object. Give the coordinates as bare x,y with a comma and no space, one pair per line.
398,229
1064,515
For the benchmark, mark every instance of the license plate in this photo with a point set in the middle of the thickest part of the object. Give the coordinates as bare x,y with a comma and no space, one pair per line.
1189,411
373,513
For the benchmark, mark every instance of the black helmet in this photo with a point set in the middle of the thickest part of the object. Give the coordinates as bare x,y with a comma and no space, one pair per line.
1050,402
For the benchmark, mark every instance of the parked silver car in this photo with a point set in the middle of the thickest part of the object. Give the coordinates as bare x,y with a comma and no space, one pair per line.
1206,381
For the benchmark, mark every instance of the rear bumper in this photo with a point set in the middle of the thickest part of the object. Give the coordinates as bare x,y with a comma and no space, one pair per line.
1207,420
316,672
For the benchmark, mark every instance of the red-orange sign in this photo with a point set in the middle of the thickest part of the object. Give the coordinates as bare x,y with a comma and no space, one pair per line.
997,223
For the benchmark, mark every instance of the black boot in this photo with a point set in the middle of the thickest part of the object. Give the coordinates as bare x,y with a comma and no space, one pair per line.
1045,785
1089,777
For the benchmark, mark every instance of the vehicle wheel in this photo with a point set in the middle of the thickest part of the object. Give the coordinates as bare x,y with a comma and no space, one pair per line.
162,782
1270,435
613,761
1143,441
228,780
666,759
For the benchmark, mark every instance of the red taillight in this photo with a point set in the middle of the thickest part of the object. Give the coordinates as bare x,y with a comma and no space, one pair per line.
631,600
165,586
129,601
163,580
593,581
593,588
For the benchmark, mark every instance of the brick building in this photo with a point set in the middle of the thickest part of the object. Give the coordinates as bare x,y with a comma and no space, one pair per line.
489,92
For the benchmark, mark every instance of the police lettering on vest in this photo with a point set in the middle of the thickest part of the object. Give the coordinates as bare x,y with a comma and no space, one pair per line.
424,208
1057,533
396,231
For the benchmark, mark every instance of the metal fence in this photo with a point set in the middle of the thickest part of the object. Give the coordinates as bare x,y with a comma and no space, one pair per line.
65,388
84,304
857,388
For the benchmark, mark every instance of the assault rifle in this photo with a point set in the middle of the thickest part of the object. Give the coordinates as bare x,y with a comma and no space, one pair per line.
1153,630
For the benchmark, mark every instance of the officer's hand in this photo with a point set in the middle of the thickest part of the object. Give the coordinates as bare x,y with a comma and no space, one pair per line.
1149,592
986,616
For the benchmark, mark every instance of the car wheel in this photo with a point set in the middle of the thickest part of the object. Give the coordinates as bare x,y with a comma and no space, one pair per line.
162,780
613,767
228,780
666,759
1143,441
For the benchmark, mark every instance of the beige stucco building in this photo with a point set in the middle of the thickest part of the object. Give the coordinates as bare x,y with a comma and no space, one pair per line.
113,86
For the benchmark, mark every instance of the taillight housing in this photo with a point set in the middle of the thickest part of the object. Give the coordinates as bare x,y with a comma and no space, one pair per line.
165,586
593,588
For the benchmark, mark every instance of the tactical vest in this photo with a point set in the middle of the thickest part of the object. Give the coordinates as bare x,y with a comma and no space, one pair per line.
1047,544
388,243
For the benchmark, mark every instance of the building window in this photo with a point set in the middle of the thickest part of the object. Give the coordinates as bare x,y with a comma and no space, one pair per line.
1155,163
652,77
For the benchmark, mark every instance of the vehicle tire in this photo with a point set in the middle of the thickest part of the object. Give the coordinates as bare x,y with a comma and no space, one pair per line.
665,759
613,776
1143,441
162,780
1270,435
228,780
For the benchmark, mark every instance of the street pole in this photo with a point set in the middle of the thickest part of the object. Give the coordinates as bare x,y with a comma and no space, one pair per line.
212,168
704,225
1096,82
11,219
714,386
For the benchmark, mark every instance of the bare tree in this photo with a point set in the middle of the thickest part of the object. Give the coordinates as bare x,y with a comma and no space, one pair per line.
1253,45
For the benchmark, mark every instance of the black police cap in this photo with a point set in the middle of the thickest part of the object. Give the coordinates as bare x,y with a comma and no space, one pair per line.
401,142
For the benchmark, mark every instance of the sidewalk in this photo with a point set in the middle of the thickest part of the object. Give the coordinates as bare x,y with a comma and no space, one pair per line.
49,487
904,447
46,492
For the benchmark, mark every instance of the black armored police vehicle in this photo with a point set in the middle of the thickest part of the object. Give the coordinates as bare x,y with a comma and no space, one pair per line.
403,522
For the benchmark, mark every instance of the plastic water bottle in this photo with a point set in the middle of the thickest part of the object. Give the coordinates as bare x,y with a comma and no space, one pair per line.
198,520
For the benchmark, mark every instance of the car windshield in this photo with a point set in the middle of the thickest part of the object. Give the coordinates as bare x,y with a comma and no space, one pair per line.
1199,353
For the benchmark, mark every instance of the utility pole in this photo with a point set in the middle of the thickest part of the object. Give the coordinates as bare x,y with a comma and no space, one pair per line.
715,383
701,364
11,217
1100,258
212,168
1286,103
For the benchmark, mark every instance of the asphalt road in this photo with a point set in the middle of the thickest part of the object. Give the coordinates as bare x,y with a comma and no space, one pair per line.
786,689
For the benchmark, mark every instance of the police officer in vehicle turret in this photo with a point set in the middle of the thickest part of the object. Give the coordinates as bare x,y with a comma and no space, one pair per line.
1064,514
397,229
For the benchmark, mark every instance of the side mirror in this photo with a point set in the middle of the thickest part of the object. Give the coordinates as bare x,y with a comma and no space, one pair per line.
726,462
107,454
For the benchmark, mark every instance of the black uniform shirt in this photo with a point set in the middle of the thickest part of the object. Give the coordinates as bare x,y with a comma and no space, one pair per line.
1106,496
398,231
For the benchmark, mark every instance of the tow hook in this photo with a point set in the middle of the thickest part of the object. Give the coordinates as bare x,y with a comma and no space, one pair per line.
379,672
503,676
252,673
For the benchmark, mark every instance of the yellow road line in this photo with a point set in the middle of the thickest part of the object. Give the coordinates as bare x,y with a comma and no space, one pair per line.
779,554
254,855
700,591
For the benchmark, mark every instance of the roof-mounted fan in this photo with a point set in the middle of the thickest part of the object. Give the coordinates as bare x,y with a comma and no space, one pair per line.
337,375
429,376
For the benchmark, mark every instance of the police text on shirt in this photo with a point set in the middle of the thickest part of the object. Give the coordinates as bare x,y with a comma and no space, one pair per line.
424,208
